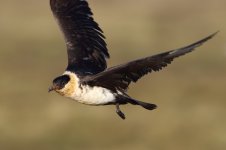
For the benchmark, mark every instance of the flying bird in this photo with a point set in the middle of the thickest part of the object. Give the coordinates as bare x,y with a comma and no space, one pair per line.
87,79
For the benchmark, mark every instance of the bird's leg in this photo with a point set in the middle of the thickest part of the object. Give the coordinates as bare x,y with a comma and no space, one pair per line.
119,112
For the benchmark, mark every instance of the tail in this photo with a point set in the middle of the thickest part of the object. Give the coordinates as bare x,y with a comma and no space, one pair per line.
145,105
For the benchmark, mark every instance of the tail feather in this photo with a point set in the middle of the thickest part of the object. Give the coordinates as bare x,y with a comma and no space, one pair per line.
145,105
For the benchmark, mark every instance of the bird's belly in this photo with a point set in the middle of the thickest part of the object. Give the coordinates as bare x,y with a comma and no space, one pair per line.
93,95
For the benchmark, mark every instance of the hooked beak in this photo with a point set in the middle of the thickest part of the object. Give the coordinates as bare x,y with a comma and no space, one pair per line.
51,89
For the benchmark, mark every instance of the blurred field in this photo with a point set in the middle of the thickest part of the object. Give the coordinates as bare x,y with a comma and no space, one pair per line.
190,93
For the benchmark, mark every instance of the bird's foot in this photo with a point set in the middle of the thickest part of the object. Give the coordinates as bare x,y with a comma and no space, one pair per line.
119,112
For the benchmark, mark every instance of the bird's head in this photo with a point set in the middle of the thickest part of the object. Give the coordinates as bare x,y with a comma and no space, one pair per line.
65,85
59,83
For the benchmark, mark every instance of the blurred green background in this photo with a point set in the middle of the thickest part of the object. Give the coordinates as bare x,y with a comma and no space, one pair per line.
190,93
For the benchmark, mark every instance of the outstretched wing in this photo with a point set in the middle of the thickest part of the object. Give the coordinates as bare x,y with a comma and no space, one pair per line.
86,48
119,77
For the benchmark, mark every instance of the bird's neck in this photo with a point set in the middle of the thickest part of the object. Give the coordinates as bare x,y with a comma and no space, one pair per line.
71,86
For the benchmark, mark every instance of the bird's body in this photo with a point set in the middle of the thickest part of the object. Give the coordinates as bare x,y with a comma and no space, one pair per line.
87,79
86,94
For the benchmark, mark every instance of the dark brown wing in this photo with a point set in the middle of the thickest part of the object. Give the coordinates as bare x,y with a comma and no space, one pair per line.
86,47
118,78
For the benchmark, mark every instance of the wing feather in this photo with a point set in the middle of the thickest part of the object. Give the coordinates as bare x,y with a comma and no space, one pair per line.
119,77
86,48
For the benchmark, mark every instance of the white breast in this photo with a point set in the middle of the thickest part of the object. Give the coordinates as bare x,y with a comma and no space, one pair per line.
93,95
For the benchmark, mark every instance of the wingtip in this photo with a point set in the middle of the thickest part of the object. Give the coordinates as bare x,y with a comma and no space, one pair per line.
208,37
200,42
212,35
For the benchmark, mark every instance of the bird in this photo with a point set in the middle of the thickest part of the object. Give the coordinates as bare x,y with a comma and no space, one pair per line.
87,79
